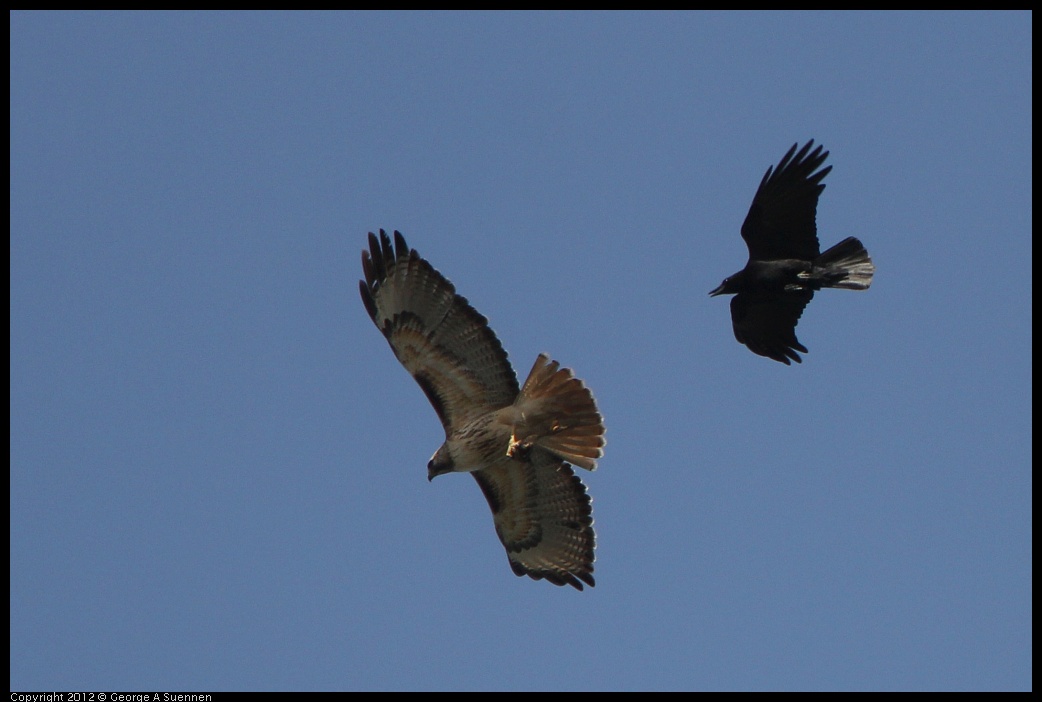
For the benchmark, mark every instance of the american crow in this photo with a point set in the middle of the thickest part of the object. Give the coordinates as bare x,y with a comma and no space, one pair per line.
785,264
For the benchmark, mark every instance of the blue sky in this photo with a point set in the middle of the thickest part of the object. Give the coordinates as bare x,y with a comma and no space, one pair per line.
218,468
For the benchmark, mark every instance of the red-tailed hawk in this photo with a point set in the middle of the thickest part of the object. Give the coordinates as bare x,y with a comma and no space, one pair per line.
516,442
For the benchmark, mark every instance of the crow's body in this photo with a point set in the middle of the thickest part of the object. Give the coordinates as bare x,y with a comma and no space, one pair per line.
785,264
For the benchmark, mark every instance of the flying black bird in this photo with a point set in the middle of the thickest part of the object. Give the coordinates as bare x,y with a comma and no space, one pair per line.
785,263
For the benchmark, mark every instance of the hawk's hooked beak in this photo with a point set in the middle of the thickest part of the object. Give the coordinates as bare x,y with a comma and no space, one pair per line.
436,469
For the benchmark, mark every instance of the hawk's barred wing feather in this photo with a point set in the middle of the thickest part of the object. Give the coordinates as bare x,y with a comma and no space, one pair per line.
543,517
441,340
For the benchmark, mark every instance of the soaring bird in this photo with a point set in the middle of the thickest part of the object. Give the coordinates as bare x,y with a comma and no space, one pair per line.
785,263
516,442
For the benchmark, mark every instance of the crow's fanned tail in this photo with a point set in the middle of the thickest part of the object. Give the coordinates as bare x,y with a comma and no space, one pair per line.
846,265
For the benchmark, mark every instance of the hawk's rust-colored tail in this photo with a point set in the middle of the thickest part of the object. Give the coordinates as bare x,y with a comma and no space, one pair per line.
558,413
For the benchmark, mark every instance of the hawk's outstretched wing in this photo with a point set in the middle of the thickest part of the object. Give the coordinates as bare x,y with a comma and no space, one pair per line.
782,218
543,517
440,339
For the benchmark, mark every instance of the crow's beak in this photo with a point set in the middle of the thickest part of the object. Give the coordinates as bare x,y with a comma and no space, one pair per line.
719,290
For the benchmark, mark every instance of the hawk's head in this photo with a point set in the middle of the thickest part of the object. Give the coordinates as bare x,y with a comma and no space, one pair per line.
441,462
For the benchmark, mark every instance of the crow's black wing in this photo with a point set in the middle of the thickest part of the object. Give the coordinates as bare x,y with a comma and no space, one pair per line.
781,220
766,323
